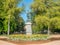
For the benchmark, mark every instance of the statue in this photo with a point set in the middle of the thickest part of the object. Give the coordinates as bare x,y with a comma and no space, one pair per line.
28,25
29,17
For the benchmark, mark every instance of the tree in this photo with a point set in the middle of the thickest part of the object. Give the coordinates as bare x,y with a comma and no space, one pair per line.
9,14
48,8
55,24
41,22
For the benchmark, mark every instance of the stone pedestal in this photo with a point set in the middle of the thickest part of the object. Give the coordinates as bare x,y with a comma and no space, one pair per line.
28,28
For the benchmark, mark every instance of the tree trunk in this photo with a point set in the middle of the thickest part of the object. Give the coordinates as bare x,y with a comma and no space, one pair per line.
48,30
9,25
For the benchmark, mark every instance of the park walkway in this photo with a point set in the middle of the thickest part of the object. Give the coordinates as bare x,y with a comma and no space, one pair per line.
5,43
57,42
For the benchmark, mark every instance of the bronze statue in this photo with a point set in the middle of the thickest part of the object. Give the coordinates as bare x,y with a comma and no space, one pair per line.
28,17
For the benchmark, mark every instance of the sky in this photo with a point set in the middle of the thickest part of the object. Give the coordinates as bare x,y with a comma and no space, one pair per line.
27,7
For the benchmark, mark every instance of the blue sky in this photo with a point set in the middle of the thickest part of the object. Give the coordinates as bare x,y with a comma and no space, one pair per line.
27,7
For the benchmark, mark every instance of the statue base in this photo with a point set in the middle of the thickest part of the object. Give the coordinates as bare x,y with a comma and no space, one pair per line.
28,28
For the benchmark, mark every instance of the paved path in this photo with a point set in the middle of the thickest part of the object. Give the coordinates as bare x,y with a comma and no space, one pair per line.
50,43
55,36
5,43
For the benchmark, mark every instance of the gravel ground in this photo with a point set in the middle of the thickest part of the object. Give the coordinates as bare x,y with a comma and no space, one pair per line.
5,43
57,42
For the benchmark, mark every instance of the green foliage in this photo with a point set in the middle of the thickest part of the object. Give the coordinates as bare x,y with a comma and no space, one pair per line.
41,22
46,12
55,22
9,8
46,7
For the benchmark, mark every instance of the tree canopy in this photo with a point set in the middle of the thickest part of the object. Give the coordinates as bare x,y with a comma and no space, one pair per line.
44,10
9,9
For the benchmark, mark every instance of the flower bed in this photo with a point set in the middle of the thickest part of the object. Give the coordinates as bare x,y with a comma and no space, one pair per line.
27,37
